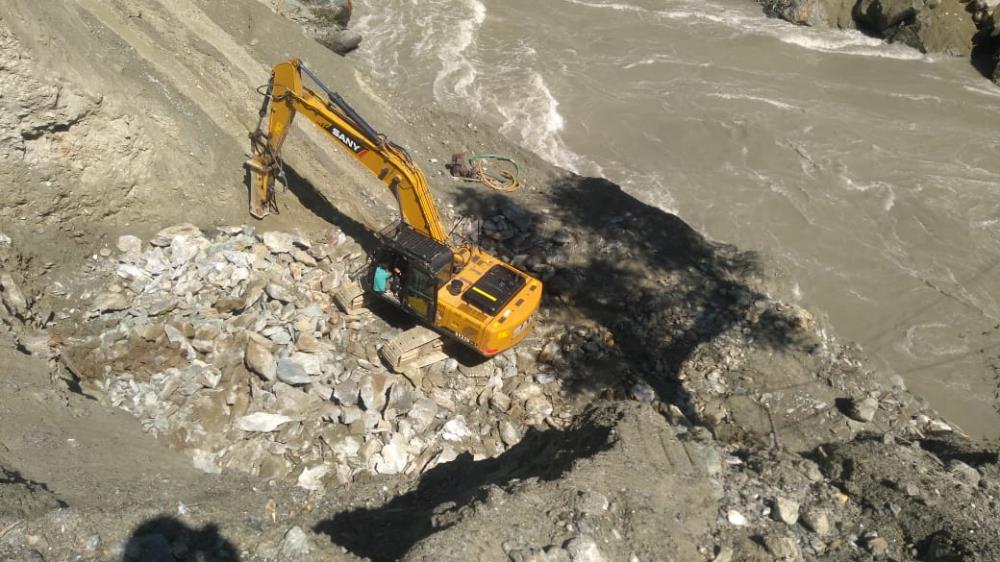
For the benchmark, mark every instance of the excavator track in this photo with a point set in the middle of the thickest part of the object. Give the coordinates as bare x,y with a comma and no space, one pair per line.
350,298
413,349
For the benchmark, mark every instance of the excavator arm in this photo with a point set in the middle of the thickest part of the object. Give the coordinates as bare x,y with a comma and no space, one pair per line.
286,96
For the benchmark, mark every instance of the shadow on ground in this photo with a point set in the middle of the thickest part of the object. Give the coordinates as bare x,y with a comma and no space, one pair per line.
389,531
167,539
948,448
25,497
316,202
659,286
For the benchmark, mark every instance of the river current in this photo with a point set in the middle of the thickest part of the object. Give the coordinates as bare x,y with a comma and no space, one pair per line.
868,172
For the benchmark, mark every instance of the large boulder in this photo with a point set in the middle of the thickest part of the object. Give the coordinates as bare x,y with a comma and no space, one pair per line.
338,40
931,26
328,13
325,21
880,15
946,28
814,13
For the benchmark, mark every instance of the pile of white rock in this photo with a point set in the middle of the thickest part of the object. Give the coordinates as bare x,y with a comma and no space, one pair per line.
231,348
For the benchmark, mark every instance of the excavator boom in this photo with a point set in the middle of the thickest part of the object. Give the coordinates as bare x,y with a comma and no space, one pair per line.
387,161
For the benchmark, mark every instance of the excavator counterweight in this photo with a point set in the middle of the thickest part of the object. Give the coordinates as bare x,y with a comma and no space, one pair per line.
459,291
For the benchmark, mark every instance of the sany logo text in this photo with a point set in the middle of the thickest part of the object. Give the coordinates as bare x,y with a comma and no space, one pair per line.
354,145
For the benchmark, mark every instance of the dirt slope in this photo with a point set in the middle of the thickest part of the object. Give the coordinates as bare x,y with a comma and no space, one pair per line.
152,103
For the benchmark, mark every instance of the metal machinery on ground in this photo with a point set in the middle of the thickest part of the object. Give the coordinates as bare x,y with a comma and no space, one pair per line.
458,290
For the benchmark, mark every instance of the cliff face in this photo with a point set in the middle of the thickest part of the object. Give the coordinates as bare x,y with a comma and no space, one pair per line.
962,28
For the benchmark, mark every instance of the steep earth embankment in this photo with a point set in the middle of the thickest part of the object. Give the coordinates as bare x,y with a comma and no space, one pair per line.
961,28
669,405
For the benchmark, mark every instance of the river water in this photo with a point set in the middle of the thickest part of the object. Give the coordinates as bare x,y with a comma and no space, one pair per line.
868,172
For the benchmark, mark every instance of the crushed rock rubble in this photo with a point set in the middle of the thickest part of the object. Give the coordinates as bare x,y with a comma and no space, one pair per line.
231,348
228,346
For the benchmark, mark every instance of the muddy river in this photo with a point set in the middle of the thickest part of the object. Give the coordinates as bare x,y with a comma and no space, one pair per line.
869,173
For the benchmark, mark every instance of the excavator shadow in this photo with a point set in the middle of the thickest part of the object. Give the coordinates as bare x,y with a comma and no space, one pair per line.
317,203
626,265
627,261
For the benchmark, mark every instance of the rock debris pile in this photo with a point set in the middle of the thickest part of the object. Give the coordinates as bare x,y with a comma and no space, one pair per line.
231,348
844,505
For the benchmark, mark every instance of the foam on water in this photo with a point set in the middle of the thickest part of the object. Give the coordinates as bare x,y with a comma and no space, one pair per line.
665,60
458,72
887,191
730,19
609,6
651,188
848,42
917,97
533,116
857,294
991,91
702,11
775,103
450,32
925,341
377,49
845,42
645,62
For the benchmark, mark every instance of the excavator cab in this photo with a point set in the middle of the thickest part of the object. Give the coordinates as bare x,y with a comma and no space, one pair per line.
418,266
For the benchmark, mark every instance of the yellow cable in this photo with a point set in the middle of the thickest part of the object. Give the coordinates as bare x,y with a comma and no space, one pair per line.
511,185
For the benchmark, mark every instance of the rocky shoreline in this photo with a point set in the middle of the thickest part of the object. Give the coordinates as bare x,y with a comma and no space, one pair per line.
961,28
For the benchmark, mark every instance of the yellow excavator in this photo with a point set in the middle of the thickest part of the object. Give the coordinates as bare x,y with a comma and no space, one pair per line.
457,290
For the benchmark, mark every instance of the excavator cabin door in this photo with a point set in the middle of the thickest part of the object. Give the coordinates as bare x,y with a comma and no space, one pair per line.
423,265
410,286
419,293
